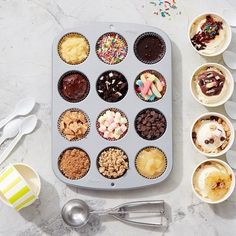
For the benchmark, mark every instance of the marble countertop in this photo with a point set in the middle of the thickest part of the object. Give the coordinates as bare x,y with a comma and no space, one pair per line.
28,28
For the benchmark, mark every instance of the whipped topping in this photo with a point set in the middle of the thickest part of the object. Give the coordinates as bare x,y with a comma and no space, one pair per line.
209,34
210,135
201,174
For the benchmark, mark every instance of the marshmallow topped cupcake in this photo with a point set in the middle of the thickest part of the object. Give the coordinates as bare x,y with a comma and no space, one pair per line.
209,34
212,84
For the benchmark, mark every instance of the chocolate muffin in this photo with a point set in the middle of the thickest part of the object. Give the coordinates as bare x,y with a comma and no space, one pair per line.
74,86
149,48
112,86
150,124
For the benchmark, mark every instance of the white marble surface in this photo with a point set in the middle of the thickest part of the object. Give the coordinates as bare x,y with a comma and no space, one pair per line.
28,28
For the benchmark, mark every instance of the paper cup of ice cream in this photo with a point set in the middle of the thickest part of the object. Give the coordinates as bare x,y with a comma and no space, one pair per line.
19,185
212,84
213,181
209,34
212,134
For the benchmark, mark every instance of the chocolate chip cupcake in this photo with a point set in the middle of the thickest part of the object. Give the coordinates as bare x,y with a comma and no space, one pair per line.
74,86
150,124
112,86
151,162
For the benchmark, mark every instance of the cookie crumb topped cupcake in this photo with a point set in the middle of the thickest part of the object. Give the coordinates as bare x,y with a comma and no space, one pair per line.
151,162
74,163
73,48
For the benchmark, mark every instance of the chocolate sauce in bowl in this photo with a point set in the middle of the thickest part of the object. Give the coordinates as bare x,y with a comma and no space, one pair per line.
211,82
209,30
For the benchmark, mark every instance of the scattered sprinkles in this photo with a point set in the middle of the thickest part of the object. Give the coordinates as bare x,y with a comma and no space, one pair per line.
111,48
164,7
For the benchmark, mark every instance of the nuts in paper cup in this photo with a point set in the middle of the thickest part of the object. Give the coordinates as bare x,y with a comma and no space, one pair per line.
19,185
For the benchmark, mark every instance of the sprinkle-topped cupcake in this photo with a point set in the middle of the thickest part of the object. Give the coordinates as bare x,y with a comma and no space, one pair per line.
111,48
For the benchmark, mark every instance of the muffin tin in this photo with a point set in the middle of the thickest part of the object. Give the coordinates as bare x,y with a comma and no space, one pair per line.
93,105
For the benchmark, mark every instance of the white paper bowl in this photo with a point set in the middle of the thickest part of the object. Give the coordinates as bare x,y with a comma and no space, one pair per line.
228,78
205,115
231,187
227,41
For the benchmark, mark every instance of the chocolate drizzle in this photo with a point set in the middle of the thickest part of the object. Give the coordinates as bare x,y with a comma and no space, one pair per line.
209,30
211,82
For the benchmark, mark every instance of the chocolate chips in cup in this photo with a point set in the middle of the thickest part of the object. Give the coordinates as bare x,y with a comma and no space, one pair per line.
112,86
150,124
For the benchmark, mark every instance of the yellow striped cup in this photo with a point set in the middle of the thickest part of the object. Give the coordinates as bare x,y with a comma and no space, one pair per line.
19,185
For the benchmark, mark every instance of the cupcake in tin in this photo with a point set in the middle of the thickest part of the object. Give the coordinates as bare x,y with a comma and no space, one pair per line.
112,86
112,162
73,124
74,163
149,48
151,162
111,48
73,48
112,124
74,86
150,86
150,124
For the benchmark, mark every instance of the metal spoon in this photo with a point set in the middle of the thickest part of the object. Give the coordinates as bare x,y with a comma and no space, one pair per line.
27,126
22,108
10,130
230,59
76,212
230,108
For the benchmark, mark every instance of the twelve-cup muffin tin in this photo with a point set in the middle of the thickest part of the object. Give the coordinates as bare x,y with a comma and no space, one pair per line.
130,105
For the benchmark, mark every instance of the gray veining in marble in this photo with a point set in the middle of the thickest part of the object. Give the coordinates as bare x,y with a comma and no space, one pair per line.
28,28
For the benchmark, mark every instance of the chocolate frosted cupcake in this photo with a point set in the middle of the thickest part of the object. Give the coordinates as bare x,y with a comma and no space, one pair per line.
150,86
73,48
112,162
151,162
111,48
74,163
112,86
73,124
74,86
150,124
112,124
149,48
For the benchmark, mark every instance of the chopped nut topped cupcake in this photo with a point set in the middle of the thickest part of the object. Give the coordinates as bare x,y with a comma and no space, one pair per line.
112,162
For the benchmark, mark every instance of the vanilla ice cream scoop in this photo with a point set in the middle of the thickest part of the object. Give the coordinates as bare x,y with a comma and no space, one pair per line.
210,135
